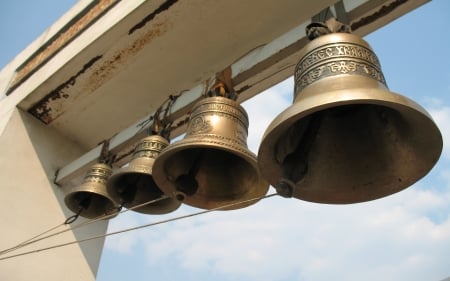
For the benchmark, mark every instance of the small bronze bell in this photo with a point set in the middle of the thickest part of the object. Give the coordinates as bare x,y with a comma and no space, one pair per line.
346,138
212,166
134,184
91,199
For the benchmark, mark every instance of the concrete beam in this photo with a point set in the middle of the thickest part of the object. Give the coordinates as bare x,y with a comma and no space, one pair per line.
254,72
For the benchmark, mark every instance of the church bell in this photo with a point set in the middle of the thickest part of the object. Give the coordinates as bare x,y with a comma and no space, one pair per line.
346,138
91,199
212,166
134,184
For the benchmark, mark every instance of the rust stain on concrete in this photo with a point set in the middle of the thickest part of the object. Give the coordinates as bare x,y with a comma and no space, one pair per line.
101,68
113,63
64,36
49,108
163,7
383,11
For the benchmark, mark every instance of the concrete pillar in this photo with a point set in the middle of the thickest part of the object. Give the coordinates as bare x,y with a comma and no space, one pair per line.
30,154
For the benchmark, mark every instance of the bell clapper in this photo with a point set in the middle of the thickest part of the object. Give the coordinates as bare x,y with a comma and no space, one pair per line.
84,204
346,137
299,141
186,184
128,192
196,170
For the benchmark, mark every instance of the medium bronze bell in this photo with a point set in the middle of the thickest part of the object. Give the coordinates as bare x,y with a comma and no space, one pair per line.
91,199
212,166
346,138
134,184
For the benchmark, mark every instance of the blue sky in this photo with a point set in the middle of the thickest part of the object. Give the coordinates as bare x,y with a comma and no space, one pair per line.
405,236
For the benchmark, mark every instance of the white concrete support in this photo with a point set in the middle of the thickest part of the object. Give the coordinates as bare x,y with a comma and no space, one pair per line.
31,203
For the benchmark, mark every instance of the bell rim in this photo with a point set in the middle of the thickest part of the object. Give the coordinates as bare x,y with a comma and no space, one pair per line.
69,202
171,205
167,187
91,187
150,209
204,143
344,97
110,198
356,96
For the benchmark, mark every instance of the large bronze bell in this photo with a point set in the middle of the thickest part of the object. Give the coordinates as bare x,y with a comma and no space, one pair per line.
212,166
91,199
346,138
134,184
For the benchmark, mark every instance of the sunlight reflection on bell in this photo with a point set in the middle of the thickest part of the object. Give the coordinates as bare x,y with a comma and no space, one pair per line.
91,199
346,138
134,184
212,166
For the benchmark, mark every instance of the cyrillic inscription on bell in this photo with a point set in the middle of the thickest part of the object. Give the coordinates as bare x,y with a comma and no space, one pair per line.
346,138
212,166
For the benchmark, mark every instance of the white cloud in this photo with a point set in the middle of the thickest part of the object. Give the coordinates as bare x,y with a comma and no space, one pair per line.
280,238
441,115
400,237
263,108
123,243
393,238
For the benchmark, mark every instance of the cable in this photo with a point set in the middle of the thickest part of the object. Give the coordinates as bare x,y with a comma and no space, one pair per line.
138,227
102,217
29,241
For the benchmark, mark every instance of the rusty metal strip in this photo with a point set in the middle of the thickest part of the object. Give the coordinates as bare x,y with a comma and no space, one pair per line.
383,11
64,36
163,7
42,109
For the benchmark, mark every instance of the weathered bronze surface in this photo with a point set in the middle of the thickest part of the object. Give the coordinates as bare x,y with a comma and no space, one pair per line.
91,197
134,184
212,165
346,138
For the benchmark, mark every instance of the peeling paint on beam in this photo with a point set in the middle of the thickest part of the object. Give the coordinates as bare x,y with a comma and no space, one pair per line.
277,54
63,37
106,65
123,143
165,6
114,61
383,11
44,110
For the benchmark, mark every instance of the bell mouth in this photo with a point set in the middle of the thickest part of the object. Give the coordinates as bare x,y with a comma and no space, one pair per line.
93,205
137,188
349,146
204,176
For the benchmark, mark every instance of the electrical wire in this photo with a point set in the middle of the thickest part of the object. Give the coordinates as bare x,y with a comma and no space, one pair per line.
85,223
30,240
138,227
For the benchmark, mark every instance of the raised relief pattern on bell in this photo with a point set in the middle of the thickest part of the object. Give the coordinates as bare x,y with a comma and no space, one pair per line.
91,197
98,174
150,144
212,165
199,125
146,153
346,138
335,59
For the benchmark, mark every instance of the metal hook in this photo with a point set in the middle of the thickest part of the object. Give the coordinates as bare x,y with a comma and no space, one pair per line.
73,218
